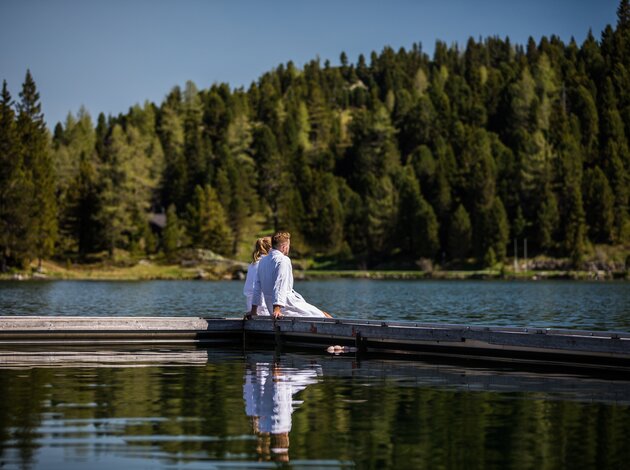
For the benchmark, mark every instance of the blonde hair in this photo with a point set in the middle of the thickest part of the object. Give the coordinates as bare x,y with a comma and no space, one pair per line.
261,248
280,238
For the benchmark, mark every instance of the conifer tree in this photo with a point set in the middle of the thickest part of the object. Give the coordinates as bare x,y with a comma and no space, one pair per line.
460,234
15,189
418,225
574,223
174,235
176,173
598,201
42,230
272,171
82,207
548,221
207,224
114,202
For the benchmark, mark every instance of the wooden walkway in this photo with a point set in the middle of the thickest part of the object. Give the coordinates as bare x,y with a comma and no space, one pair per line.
592,348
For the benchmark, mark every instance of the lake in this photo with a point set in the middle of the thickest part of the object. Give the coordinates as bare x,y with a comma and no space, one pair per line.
553,304
196,408
192,407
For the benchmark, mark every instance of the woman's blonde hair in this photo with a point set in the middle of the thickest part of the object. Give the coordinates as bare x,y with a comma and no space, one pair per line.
262,247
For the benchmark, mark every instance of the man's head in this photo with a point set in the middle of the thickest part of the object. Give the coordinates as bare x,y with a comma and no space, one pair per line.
281,241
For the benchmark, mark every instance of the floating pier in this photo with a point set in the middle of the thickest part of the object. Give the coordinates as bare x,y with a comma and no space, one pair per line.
610,350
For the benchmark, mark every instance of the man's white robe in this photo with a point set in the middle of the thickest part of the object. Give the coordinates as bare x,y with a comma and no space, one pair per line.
274,284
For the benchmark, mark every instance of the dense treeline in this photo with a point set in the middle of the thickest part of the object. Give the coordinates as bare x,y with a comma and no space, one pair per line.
406,156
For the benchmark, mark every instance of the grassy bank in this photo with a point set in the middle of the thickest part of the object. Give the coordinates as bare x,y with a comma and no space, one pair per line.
603,263
142,270
228,269
486,274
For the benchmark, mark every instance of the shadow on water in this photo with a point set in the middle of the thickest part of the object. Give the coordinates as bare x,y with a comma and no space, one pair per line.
194,408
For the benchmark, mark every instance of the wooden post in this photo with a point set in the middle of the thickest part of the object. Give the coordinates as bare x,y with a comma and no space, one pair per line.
515,257
277,334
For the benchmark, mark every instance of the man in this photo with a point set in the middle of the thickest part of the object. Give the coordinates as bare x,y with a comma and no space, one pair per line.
274,283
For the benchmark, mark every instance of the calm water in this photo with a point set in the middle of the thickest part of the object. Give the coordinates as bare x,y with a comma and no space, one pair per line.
196,408
560,304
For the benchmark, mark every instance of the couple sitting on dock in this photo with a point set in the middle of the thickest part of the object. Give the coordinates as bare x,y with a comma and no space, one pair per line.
269,282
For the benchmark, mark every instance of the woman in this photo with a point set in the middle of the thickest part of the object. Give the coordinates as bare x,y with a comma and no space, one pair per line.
262,247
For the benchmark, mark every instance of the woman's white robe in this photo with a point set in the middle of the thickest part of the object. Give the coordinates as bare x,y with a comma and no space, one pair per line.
248,289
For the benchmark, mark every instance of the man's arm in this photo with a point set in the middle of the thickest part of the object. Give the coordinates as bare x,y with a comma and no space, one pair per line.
281,287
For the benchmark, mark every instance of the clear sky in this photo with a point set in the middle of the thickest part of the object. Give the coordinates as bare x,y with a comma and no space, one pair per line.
110,54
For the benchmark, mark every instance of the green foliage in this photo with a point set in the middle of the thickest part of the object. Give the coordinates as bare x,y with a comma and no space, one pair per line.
417,222
174,236
490,258
207,224
400,155
460,234
15,186
599,201
548,221
41,204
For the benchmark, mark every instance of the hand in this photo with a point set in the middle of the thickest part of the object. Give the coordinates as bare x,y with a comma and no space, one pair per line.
252,313
277,313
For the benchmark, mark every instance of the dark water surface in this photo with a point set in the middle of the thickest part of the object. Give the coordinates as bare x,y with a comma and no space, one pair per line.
559,304
197,408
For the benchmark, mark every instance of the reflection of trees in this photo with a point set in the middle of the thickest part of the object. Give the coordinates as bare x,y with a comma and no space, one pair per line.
21,403
373,422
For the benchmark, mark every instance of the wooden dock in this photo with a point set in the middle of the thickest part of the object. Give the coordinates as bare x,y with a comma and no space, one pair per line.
361,337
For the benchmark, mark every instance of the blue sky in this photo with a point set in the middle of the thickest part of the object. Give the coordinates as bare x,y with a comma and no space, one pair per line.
108,55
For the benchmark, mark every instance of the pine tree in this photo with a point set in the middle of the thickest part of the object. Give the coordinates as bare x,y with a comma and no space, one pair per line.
82,207
272,171
207,224
598,202
15,190
176,173
460,234
548,221
114,200
174,235
73,146
417,222
497,229
39,166
196,147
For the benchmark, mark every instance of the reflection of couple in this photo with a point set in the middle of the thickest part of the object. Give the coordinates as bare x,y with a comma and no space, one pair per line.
268,391
269,281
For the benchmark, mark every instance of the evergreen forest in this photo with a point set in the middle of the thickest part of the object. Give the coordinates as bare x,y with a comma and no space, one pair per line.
397,156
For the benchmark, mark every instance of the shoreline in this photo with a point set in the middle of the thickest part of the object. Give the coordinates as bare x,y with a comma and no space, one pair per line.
146,270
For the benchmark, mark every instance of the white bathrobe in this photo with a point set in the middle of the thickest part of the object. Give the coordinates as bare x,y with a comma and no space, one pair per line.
269,394
248,289
274,285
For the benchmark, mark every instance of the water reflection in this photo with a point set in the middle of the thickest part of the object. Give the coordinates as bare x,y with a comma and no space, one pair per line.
257,409
269,392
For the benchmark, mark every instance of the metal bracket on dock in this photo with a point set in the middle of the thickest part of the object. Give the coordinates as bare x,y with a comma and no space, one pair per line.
360,343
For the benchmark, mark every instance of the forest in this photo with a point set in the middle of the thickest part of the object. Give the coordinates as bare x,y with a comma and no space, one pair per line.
399,156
